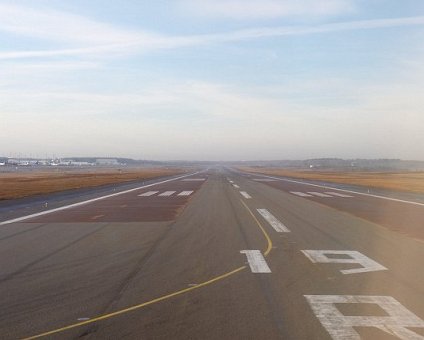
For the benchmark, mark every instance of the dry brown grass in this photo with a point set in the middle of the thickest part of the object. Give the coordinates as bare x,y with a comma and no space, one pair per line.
400,181
16,185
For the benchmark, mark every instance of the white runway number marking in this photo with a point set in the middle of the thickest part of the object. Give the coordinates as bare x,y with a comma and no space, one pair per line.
341,327
245,194
322,256
148,193
256,261
273,221
185,193
167,193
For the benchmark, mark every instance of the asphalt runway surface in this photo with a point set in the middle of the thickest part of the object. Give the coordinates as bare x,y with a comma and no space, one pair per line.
215,255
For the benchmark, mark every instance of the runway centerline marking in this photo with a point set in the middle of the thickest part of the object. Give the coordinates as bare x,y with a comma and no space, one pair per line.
73,205
341,326
148,193
245,194
167,193
164,297
193,179
321,256
96,217
344,190
236,186
256,261
185,193
273,221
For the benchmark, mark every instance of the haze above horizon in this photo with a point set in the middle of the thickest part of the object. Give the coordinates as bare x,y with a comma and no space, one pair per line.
212,79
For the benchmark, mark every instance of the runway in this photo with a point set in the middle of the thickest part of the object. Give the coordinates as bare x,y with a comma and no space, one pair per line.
215,255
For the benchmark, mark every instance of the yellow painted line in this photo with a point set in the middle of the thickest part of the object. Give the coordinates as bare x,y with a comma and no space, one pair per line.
141,305
268,249
162,298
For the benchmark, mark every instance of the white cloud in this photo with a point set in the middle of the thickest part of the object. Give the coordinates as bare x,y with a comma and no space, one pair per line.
264,9
150,42
59,26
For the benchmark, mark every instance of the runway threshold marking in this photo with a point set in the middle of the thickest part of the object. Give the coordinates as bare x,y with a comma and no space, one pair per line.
185,193
301,194
161,298
256,261
273,221
167,193
337,194
148,193
341,327
245,194
344,190
23,218
319,194
322,256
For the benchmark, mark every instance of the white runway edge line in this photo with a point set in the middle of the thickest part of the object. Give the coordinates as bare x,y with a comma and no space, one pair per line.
93,200
185,193
148,193
245,194
344,190
256,261
273,221
322,256
341,327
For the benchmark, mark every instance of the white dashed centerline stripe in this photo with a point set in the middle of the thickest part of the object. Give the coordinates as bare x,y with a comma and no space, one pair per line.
185,193
167,193
193,179
337,194
301,194
236,186
256,261
148,193
273,221
319,194
245,194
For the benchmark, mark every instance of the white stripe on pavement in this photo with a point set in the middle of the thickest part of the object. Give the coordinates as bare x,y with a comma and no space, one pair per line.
301,194
185,193
23,218
193,179
256,261
337,194
236,186
148,193
245,194
167,193
264,180
319,194
343,190
273,221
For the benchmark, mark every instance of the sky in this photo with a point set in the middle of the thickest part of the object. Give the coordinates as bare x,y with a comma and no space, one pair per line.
212,79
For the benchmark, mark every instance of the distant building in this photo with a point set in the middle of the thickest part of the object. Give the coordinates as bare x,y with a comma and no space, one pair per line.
107,161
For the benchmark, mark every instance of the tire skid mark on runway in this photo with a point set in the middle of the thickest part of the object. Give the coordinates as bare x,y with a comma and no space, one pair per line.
23,231
29,265
161,298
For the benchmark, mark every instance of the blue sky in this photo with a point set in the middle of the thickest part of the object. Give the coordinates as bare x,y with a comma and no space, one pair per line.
212,79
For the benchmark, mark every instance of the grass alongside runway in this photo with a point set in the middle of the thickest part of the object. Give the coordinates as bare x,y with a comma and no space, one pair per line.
17,185
399,181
